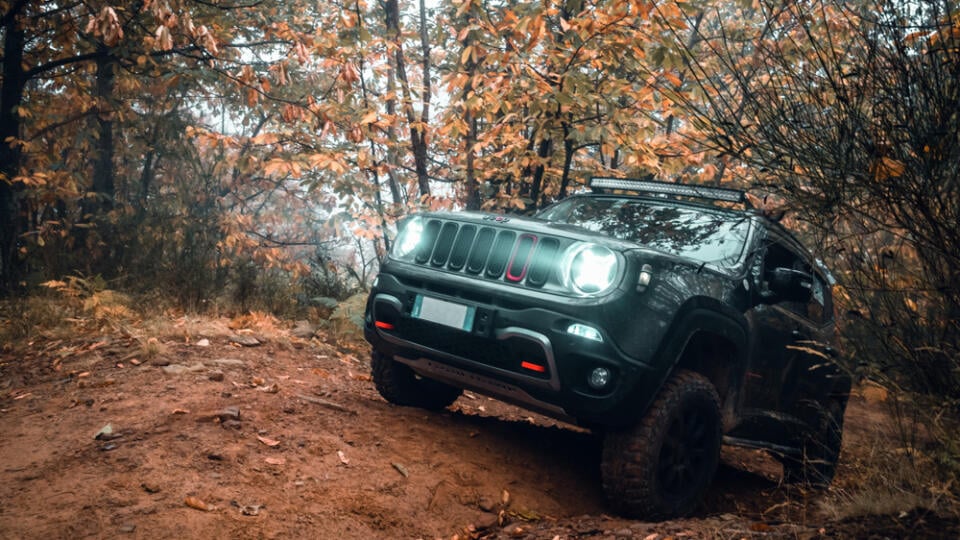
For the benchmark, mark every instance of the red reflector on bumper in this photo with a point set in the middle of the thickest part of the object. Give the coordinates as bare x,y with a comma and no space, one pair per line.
384,325
533,367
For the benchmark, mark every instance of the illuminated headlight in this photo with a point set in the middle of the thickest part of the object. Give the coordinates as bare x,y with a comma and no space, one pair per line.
590,269
409,239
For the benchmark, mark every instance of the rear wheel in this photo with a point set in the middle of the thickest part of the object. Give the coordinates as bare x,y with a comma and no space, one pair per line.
398,384
662,466
817,463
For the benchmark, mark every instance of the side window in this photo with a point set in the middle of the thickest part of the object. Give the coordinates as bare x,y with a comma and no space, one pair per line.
790,281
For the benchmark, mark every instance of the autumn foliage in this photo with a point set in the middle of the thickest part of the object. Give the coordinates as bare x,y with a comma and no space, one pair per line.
258,154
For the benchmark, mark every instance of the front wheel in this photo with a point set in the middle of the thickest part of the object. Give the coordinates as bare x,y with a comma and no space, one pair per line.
398,384
662,466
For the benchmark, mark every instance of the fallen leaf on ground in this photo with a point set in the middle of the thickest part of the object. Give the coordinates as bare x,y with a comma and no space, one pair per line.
268,441
343,457
104,433
874,394
196,503
325,403
401,469
276,461
518,532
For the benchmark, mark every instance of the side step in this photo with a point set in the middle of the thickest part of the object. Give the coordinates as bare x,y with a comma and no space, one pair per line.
786,451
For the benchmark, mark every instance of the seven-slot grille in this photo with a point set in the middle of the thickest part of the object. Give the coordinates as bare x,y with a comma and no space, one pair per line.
493,253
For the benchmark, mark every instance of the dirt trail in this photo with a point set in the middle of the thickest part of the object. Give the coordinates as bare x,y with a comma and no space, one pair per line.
289,439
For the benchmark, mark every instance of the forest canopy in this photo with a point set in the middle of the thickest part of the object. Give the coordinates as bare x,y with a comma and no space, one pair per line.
261,151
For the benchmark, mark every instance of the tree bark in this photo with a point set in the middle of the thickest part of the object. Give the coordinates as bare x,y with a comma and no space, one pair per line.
473,187
418,141
11,96
103,171
544,150
392,158
568,152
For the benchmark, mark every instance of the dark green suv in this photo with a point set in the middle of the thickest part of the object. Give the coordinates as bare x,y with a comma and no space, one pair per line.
670,318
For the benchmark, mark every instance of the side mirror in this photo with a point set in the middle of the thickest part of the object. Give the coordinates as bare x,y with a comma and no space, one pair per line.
787,284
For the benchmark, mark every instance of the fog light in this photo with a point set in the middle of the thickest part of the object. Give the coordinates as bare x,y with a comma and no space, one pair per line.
584,331
599,378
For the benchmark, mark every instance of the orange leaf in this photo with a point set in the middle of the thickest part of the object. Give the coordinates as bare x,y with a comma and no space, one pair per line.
196,503
674,80
268,441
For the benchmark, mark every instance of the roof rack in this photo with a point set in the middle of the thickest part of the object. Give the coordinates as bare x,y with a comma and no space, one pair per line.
667,188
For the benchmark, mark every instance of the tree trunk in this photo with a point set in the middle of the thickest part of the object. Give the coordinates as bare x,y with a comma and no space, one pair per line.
473,188
418,141
11,96
393,160
543,152
103,171
568,152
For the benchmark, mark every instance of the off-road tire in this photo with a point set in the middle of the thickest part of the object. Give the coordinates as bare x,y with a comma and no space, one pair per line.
820,451
662,466
398,384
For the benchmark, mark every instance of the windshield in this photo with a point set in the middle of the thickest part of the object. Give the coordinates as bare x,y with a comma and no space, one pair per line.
706,235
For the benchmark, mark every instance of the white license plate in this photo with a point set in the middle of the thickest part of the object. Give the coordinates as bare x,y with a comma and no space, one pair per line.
442,312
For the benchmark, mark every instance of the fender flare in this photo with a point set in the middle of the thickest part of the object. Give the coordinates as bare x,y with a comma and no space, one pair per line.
699,315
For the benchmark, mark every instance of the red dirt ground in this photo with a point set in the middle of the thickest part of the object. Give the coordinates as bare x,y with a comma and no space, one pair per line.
317,453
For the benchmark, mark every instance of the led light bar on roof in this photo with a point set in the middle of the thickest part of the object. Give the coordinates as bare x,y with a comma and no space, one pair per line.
686,190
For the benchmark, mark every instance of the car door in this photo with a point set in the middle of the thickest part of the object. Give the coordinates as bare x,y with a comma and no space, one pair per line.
787,323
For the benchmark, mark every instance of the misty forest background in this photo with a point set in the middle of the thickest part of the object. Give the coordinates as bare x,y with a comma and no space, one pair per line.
234,155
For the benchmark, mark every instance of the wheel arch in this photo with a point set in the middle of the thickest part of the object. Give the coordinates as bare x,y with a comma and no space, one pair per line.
709,338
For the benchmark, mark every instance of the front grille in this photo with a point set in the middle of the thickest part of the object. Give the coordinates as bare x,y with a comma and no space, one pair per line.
491,252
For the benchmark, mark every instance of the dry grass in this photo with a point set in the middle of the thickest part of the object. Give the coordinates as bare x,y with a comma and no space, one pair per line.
891,463
84,307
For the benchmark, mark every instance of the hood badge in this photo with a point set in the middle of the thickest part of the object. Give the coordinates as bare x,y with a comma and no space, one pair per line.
498,219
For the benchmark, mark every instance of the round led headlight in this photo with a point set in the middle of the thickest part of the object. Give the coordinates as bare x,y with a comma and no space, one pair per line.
408,239
590,268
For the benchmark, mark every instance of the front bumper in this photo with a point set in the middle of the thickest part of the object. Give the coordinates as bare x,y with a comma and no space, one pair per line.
523,355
